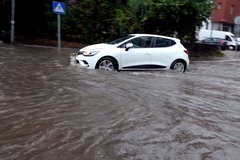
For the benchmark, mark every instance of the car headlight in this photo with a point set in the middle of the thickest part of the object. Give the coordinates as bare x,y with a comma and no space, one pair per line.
91,53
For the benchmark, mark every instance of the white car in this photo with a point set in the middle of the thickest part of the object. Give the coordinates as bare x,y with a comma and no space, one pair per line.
136,52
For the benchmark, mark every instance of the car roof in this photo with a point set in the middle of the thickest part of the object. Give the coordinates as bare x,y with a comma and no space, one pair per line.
155,35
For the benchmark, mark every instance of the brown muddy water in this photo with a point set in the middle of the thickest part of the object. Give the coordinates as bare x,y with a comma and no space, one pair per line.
51,109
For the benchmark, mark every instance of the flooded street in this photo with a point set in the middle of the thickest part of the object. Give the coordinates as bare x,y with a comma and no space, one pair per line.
51,109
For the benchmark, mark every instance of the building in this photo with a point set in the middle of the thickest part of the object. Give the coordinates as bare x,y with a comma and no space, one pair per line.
223,17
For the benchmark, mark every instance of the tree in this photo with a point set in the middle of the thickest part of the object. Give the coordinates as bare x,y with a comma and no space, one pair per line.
100,20
5,19
177,17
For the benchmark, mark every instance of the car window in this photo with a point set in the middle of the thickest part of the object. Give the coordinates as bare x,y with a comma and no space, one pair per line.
207,40
210,40
116,41
234,38
142,42
228,38
139,42
215,40
164,42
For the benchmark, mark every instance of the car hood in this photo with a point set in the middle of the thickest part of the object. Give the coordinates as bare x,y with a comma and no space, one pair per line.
96,47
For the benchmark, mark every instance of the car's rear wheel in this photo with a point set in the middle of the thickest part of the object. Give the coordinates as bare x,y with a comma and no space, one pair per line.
106,64
178,66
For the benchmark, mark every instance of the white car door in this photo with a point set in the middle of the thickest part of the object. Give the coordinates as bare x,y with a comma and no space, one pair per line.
138,57
163,52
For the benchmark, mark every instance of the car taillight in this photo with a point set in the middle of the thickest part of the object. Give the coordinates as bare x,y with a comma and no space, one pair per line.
186,51
222,41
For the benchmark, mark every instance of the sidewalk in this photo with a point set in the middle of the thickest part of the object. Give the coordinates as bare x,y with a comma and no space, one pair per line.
231,54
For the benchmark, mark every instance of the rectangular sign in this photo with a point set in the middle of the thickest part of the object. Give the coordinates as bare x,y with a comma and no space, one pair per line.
59,7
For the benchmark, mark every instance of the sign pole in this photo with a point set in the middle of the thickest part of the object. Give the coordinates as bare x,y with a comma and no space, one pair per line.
59,31
59,8
237,22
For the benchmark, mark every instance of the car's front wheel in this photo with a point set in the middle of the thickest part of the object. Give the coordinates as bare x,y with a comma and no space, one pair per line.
231,47
178,66
106,64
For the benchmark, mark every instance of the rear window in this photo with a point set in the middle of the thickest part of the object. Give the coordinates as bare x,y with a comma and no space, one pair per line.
163,42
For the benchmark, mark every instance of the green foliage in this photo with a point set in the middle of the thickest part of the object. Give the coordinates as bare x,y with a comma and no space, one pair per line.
5,18
177,17
92,21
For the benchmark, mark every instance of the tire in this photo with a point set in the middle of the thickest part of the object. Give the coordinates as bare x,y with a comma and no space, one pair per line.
106,64
219,47
178,66
231,48
222,48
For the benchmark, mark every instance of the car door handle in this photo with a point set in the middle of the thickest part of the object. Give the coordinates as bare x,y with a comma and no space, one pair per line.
147,53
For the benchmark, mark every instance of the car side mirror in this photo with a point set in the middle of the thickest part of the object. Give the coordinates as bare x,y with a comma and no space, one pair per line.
128,45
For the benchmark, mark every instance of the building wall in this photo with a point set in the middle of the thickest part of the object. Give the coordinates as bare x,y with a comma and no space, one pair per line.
226,11
223,16
217,26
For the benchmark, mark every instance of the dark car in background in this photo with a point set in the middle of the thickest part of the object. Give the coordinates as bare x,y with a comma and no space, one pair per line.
220,42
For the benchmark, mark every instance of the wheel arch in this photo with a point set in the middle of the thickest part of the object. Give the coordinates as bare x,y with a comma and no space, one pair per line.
179,60
115,60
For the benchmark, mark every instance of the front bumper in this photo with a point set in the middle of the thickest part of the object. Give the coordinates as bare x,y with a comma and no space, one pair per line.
75,61
82,63
85,61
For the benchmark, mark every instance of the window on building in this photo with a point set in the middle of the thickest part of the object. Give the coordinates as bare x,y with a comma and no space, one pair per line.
226,27
219,5
231,9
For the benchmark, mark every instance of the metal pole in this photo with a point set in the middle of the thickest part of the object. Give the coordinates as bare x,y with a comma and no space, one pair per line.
59,32
236,48
12,22
212,20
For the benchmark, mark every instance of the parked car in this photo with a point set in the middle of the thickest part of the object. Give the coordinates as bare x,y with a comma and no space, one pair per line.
136,52
229,37
219,41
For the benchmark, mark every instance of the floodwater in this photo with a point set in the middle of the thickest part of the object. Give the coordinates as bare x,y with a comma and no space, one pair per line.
51,109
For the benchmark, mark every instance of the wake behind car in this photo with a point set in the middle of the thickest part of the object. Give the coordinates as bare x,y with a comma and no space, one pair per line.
136,52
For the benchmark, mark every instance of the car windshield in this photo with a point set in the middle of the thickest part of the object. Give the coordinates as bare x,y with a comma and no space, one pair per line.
235,39
116,41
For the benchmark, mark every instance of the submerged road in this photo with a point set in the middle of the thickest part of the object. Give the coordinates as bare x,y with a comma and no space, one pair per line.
52,109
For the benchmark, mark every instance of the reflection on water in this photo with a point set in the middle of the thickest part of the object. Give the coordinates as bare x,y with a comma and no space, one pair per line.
53,109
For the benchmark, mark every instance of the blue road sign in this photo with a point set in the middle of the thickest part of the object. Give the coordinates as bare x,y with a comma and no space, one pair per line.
59,7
